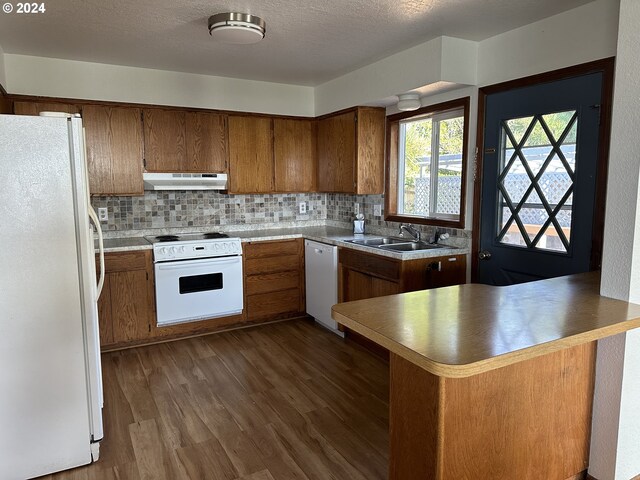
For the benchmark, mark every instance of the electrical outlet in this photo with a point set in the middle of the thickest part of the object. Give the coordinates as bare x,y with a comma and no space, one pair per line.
377,210
356,208
303,207
103,214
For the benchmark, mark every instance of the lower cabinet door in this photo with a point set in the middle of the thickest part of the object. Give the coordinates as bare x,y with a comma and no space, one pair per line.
360,286
129,305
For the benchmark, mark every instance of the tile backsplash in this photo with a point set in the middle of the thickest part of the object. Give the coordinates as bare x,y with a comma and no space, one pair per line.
193,209
181,209
340,207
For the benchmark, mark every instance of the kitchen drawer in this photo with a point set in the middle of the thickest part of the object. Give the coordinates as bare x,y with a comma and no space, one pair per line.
273,249
272,282
273,304
256,266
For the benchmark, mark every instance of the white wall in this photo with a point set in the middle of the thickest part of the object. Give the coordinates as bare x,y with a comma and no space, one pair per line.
3,77
577,36
615,446
71,79
441,59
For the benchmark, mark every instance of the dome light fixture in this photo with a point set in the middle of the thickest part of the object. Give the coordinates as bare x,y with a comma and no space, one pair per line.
408,102
236,28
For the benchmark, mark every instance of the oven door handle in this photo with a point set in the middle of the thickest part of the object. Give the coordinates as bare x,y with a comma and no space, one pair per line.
197,263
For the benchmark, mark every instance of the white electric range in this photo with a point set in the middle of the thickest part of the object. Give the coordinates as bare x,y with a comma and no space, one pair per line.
197,276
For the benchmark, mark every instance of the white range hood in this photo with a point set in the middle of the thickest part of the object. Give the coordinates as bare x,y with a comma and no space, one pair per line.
185,181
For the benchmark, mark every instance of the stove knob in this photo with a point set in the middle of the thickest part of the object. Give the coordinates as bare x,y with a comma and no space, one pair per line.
172,250
182,249
162,251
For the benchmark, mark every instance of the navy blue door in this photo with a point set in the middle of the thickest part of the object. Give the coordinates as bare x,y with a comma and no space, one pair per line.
539,180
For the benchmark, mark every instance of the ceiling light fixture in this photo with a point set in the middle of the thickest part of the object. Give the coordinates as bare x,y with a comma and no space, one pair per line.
408,102
237,28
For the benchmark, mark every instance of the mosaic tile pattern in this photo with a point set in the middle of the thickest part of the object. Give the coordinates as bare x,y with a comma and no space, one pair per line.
340,207
190,210
182,209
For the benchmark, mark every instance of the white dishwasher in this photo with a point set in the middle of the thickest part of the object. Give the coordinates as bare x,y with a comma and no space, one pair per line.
321,280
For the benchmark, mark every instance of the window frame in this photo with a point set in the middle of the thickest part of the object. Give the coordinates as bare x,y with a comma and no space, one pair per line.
392,163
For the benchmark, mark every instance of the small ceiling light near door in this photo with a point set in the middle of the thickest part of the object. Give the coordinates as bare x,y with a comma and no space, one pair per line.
408,102
236,28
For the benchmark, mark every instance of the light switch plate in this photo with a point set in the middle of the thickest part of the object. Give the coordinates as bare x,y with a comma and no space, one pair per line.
377,210
356,208
303,207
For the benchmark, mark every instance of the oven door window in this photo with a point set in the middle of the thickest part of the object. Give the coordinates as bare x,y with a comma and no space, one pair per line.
200,283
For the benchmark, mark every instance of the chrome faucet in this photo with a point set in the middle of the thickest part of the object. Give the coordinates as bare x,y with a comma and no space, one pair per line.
411,230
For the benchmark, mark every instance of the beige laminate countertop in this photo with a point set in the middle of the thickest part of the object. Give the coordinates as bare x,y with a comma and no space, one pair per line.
469,329
330,235
125,244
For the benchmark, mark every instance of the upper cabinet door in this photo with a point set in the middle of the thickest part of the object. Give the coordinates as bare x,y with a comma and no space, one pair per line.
164,140
114,149
370,151
337,153
250,155
206,137
34,108
294,153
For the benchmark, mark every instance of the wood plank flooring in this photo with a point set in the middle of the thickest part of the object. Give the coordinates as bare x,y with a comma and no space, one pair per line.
277,402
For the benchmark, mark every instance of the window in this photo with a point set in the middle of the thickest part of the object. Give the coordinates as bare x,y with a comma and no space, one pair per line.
427,160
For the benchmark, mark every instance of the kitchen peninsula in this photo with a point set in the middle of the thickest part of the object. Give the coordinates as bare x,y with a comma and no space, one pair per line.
491,382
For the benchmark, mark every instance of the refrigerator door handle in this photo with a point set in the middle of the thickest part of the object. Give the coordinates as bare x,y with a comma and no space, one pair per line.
93,216
96,222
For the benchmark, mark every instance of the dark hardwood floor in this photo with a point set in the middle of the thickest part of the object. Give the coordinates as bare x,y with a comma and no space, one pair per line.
281,401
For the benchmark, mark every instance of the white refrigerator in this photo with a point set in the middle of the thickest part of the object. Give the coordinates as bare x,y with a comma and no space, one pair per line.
50,375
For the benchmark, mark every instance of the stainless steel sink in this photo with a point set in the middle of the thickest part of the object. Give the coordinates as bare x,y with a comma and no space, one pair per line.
411,246
378,241
395,244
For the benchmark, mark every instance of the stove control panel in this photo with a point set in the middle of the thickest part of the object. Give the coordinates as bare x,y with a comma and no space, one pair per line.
163,252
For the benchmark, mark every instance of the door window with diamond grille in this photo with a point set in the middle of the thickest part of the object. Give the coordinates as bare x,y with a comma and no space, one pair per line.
535,185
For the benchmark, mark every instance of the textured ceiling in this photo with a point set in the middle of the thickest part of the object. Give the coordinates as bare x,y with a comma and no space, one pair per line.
308,41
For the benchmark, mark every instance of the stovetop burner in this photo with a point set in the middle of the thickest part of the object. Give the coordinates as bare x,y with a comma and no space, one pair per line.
189,246
167,238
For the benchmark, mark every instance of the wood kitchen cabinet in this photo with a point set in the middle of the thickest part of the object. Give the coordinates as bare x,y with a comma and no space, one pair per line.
184,141
206,138
34,108
351,151
126,305
251,167
269,155
364,275
164,140
294,155
114,149
274,279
